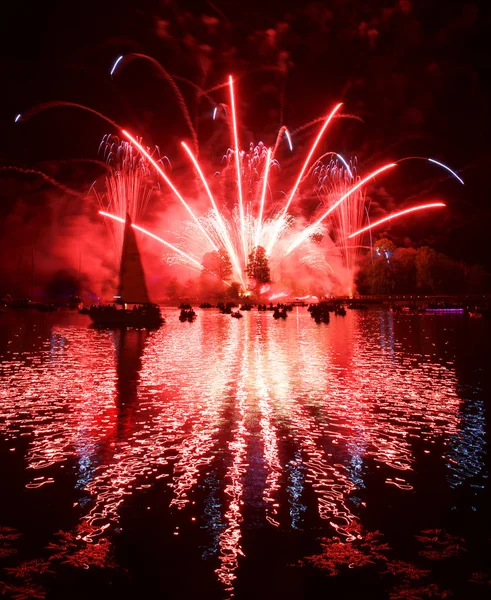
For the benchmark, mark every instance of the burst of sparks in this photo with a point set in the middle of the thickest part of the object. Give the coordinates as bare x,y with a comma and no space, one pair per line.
222,229
396,215
312,228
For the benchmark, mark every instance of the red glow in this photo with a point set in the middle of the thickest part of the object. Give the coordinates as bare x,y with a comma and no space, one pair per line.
170,184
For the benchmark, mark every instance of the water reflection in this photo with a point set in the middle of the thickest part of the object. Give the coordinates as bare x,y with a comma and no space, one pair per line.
251,423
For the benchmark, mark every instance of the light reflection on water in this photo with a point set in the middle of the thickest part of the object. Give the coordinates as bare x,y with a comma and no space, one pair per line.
253,423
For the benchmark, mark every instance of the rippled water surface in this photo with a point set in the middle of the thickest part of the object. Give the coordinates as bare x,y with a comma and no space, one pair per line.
245,458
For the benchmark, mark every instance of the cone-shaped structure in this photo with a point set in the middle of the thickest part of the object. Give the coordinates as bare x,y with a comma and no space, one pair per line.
132,285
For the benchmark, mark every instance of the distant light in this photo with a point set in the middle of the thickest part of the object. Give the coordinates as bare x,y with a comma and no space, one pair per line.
116,64
215,112
447,168
17,118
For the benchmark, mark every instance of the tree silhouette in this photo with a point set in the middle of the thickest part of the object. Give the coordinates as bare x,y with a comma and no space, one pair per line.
258,267
218,262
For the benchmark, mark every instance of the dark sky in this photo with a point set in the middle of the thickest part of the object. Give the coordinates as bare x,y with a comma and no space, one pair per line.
416,72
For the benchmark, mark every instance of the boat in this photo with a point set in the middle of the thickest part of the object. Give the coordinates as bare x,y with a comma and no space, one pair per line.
187,315
132,291
279,314
237,314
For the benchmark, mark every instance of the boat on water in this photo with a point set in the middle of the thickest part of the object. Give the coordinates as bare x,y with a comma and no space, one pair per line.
187,314
136,308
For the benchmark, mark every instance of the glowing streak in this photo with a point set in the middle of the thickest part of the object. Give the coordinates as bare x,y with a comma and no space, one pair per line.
287,135
345,164
17,118
170,184
237,164
309,156
447,168
60,103
306,232
116,64
215,112
397,214
156,237
114,217
299,179
263,197
228,244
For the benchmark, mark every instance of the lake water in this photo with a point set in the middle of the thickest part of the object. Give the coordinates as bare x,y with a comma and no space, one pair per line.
247,458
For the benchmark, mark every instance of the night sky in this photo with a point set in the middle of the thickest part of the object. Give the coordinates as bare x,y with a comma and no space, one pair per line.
416,72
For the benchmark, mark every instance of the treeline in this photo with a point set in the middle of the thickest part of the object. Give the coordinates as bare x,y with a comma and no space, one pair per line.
391,270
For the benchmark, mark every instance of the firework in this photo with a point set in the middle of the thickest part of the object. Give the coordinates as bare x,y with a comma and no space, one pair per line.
252,218
397,215
432,160
127,186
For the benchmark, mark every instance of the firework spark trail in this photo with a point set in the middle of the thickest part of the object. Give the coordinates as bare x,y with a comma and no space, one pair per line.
397,214
201,91
116,65
47,178
159,239
237,164
311,228
309,156
447,168
263,197
60,103
319,119
435,162
171,185
282,133
222,229
175,89
334,180
287,135
304,167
